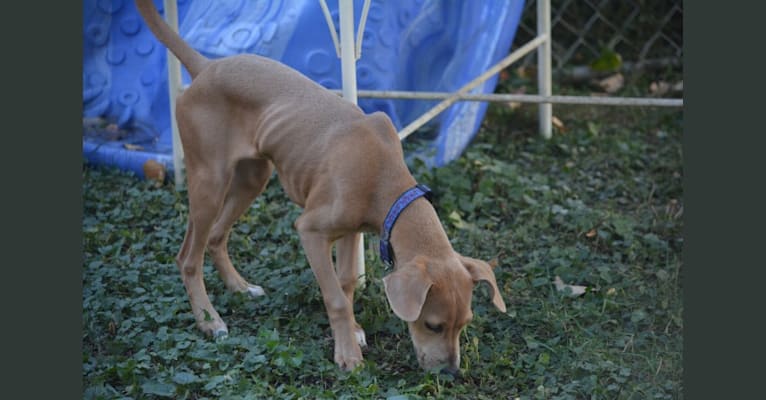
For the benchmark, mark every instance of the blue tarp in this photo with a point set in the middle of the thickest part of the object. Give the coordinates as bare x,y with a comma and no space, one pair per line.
422,45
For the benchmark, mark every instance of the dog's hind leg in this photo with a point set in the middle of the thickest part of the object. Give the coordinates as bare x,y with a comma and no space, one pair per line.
250,178
209,173
347,248
206,195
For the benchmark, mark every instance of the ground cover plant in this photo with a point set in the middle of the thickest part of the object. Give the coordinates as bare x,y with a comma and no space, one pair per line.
599,205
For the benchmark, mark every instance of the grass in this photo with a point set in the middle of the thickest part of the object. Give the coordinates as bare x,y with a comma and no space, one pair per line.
600,206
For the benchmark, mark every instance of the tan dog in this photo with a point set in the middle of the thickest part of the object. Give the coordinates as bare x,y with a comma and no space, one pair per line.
244,115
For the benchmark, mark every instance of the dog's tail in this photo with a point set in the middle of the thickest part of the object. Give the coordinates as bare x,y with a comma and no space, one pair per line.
190,58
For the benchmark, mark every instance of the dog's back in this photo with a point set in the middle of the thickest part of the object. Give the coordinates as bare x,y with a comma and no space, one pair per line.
277,113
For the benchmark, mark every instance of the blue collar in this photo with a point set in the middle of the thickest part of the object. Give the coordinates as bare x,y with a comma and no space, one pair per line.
406,198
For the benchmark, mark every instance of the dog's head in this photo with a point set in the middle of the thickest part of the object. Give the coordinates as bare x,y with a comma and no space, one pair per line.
434,298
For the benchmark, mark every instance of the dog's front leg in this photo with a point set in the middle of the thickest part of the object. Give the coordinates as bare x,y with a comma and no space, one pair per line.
346,256
318,247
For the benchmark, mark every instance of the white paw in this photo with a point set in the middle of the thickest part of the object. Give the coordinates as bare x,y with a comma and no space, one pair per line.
359,333
255,291
221,334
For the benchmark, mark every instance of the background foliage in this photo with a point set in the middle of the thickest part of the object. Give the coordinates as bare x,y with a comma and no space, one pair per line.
639,30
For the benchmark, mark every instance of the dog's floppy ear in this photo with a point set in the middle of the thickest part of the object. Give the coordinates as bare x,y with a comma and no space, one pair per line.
406,290
481,271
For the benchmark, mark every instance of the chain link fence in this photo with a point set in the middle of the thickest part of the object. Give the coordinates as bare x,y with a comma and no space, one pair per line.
645,33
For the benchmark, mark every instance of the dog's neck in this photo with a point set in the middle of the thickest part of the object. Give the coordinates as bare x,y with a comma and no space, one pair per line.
418,231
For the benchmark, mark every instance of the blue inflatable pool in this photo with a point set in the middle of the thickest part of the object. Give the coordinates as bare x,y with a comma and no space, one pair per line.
423,45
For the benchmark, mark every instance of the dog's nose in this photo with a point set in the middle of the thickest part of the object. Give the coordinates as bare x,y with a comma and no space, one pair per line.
452,371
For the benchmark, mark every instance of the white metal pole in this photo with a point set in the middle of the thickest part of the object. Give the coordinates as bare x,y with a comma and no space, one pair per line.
544,65
348,73
330,25
347,58
360,29
174,88
435,110
521,98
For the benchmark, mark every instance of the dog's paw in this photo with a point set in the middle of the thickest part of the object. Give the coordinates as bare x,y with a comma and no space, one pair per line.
213,327
220,334
255,291
348,359
360,338
348,364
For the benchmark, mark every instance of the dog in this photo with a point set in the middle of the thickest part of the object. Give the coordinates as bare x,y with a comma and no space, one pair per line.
244,116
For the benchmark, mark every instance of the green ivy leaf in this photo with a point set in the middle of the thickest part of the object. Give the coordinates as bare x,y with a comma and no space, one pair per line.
159,389
215,382
185,378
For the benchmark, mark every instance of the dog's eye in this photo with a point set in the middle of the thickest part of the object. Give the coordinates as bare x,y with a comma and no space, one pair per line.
435,328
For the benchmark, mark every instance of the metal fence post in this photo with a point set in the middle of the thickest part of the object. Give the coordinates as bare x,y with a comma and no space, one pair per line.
174,88
544,66
348,74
